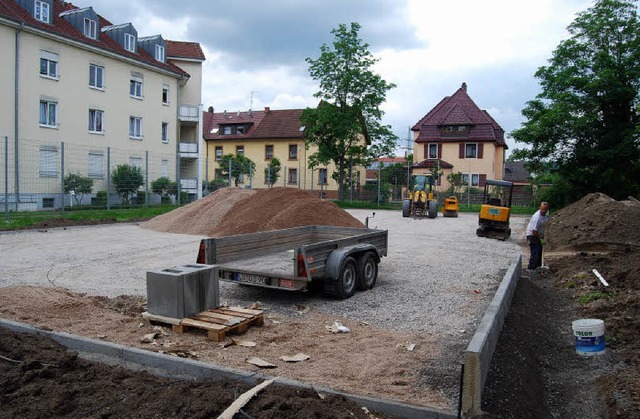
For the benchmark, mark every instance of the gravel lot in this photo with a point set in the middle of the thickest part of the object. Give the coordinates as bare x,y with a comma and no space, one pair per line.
438,276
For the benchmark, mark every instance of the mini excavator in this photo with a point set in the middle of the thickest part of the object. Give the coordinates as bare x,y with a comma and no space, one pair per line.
495,212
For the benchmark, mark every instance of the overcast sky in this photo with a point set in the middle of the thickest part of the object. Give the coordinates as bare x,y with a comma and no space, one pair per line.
256,49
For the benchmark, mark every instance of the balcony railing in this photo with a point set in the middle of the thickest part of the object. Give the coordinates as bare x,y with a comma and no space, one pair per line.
189,184
189,148
188,113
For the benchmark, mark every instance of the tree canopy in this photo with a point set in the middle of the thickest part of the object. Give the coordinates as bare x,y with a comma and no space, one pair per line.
240,166
127,179
584,123
349,110
80,185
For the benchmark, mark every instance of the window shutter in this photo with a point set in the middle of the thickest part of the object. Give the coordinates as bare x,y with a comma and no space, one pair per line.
483,180
96,165
439,151
461,151
480,150
426,151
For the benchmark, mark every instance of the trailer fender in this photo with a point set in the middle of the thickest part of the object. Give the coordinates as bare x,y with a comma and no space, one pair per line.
336,257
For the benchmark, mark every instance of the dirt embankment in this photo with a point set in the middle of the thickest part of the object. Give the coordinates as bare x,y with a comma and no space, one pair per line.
231,211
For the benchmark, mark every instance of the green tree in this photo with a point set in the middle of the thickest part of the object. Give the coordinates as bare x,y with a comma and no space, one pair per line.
349,110
126,180
80,185
240,166
272,172
164,187
585,120
455,180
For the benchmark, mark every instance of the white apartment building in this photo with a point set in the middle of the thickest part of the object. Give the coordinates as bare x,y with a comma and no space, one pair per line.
82,95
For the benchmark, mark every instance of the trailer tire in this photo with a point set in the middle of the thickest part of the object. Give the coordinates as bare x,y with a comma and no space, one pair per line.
347,279
367,271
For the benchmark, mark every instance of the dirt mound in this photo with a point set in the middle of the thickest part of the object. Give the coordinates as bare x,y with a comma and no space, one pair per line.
231,211
595,222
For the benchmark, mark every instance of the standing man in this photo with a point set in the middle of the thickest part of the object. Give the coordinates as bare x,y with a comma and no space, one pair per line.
535,235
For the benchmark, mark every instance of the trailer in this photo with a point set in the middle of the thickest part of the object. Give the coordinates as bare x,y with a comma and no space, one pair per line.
340,259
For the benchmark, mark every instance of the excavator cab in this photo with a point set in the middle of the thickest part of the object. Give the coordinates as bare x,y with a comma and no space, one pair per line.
420,200
495,211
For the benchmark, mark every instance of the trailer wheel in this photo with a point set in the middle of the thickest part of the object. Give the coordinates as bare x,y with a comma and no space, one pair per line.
367,271
348,279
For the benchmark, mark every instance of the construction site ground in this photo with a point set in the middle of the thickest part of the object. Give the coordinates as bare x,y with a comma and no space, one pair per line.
89,281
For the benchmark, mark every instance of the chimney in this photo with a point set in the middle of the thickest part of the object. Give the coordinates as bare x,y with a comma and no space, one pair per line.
464,86
210,109
267,109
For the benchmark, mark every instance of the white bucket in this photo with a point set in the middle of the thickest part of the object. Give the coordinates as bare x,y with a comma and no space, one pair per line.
589,335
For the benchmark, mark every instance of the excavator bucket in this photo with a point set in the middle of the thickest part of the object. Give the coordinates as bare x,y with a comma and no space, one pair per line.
492,233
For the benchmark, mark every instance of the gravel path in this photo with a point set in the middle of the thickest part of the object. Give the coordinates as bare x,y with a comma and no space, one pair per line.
438,276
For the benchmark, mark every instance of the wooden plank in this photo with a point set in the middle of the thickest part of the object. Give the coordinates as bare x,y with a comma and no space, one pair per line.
161,319
218,318
241,310
201,325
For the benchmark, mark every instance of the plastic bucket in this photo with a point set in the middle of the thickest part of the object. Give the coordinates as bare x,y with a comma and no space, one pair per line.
589,334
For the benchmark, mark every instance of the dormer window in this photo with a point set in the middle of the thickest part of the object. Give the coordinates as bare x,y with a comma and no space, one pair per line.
91,28
41,11
160,53
129,42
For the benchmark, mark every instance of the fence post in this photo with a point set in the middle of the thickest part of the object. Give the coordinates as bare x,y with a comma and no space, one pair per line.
108,176
178,179
6,179
230,167
146,178
269,177
284,178
379,181
62,176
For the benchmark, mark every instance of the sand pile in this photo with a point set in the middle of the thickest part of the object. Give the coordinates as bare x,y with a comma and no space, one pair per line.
596,222
230,211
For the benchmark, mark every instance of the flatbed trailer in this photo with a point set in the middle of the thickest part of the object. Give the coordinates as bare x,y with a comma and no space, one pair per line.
342,259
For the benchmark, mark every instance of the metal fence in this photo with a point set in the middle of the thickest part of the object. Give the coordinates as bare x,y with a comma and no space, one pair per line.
40,175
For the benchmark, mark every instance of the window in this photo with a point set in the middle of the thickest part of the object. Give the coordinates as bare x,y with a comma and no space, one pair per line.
135,127
240,150
293,175
461,128
90,28
226,130
433,151
470,151
49,64
48,161
165,94
96,119
448,128
218,152
42,11
135,87
322,176
293,152
129,42
475,179
164,170
48,202
240,129
160,53
48,114
268,152
96,165
96,76
135,162
165,132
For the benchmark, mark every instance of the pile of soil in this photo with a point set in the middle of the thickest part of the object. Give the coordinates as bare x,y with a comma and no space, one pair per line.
231,211
595,222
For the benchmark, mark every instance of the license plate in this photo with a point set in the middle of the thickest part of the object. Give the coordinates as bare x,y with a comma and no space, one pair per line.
253,279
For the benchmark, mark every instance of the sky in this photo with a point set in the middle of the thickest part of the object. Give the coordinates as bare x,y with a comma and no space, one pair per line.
256,49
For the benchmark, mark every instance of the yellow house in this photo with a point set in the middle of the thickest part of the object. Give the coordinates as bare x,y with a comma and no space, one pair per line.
82,95
262,136
457,136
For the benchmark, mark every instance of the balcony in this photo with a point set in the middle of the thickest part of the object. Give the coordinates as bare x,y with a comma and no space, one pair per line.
188,113
189,150
189,185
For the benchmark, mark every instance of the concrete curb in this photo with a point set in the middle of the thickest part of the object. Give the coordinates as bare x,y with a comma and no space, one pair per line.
166,365
477,358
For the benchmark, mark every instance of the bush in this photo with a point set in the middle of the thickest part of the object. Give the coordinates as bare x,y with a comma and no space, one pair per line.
101,198
127,179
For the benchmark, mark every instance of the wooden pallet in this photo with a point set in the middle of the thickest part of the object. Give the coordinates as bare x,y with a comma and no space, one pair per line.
217,322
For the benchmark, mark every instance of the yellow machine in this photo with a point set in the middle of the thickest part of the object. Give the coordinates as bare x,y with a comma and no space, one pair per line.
421,200
450,207
494,215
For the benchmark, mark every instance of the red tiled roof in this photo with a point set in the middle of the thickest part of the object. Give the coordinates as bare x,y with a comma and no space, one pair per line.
264,124
180,49
458,109
433,163
11,10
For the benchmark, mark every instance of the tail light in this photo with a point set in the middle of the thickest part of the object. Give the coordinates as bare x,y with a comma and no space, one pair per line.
201,258
302,270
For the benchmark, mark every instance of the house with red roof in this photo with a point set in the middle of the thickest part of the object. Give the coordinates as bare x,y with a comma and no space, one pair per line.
262,136
83,94
456,136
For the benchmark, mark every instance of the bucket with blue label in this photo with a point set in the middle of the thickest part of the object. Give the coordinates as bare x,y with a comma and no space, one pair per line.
589,334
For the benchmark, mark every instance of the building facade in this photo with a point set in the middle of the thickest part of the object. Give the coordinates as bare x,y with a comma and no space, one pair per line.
262,136
456,136
83,95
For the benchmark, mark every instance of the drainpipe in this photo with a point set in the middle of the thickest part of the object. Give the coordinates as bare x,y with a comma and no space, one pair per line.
16,97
